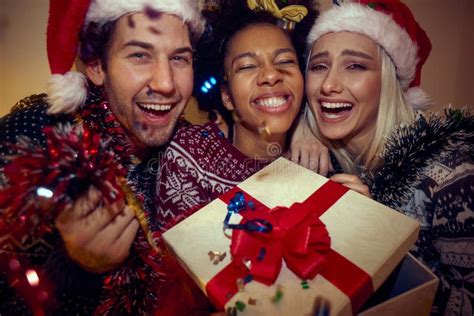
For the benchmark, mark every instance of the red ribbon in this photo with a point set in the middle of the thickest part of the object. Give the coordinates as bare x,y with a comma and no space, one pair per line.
298,236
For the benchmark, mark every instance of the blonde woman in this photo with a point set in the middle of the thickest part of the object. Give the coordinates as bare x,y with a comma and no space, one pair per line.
362,84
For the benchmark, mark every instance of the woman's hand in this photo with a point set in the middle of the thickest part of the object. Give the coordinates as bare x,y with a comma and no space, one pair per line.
307,151
352,182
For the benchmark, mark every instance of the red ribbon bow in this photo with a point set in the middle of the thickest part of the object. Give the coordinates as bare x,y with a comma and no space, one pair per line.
298,236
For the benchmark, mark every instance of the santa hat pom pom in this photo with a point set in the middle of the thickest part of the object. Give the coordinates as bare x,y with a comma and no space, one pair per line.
417,98
66,93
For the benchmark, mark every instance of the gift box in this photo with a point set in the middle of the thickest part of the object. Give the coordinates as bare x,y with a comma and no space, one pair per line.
298,236
409,290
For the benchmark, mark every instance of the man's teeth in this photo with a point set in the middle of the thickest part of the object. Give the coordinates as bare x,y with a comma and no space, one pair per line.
271,102
156,107
330,105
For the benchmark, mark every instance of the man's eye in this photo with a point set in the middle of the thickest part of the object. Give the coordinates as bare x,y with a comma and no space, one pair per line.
181,59
137,55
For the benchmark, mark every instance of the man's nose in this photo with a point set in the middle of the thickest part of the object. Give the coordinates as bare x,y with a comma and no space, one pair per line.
162,78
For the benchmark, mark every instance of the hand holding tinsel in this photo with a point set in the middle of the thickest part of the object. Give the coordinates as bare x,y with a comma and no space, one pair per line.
42,182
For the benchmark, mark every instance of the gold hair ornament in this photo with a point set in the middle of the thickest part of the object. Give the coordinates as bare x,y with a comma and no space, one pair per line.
290,15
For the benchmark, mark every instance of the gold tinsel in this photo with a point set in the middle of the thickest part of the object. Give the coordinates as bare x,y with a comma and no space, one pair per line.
137,208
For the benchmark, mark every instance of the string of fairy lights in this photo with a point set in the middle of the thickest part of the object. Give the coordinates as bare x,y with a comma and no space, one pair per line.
208,84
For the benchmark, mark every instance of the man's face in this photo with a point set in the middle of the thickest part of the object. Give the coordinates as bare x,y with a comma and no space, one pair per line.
149,75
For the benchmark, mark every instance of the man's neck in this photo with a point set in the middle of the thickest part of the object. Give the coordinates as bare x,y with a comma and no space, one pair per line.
138,149
258,146
127,146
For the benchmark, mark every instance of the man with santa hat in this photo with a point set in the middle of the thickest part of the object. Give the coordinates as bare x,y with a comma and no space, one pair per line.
137,78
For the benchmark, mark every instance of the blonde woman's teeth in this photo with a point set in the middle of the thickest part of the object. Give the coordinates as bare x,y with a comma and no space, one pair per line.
330,105
334,110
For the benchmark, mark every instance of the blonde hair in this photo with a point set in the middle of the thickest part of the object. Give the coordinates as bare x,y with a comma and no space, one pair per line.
393,110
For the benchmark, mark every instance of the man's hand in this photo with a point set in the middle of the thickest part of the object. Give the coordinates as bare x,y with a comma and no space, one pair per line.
97,235
352,182
307,151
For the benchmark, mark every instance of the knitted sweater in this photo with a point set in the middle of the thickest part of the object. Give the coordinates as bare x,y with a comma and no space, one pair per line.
76,291
428,174
197,167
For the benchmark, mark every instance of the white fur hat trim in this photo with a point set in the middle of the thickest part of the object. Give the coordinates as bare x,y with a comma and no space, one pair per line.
376,25
103,11
417,98
66,92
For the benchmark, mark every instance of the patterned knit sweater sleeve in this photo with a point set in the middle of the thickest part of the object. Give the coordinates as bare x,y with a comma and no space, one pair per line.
428,174
452,231
198,166
182,182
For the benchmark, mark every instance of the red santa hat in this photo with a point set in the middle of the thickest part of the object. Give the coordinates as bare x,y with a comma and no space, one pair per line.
391,24
67,90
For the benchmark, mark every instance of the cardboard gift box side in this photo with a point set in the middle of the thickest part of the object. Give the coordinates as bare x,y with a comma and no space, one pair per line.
409,290
370,235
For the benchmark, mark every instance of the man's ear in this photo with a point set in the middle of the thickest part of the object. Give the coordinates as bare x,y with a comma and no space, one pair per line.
95,73
227,98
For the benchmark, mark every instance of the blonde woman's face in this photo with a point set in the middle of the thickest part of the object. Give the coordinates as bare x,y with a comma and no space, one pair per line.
343,83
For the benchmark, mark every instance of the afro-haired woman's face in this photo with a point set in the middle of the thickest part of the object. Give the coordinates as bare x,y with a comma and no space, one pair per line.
265,84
